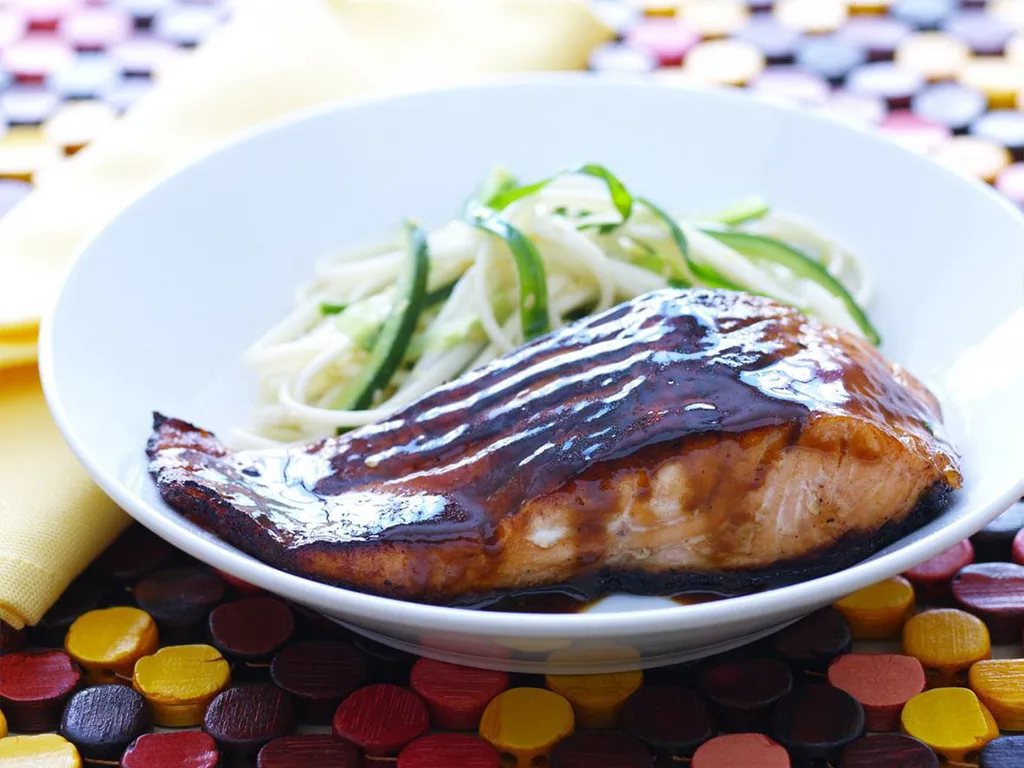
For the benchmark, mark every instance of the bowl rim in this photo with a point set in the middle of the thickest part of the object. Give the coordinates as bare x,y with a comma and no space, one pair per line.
352,605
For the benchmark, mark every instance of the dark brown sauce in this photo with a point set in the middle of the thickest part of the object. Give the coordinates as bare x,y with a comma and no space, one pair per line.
389,507
569,601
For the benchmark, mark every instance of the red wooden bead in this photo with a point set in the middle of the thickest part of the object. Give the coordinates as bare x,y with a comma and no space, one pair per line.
994,592
1018,543
811,643
669,719
456,696
816,722
446,750
11,639
241,720
318,674
667,39
253,628
381,719
741,750
176,749
742,691
932,578
34,686
32,58
133,554
601,749
888,750
95,29
309,751
45,15
881,682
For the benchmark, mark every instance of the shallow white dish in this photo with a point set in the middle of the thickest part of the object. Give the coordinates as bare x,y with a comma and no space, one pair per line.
157,310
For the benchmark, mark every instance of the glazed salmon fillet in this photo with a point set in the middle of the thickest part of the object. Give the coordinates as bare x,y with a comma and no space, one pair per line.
685,439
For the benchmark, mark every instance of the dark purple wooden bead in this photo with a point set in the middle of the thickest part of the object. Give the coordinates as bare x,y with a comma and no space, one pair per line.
888,750
986,34
601,749
669,719
318,674
1004,752
104,720
817,722
133,554
84,594
994,542
241,720
742,691
811,643
178,598
11,639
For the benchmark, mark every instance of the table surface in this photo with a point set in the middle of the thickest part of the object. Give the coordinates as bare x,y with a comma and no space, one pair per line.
944,78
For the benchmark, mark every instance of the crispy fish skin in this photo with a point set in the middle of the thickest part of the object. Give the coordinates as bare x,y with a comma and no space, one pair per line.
682,435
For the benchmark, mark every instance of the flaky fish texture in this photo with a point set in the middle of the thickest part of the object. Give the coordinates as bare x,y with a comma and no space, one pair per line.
685,439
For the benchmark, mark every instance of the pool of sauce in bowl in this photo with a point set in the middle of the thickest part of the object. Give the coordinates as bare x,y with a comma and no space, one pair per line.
569,600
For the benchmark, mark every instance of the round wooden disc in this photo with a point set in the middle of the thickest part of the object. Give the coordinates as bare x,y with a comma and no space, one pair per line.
318,674
381,719
102,721
241,720
670,719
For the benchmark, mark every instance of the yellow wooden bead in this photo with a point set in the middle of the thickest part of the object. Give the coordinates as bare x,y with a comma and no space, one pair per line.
812,17
47,750
724,62
998,78
949,720
869,6
879,611
933,55
106,643
596,699
946,641
24,152
972,156
180,681
526,723
655,7
3,725
999,684
714,18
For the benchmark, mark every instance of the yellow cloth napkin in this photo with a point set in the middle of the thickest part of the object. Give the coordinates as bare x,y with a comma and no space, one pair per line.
275,56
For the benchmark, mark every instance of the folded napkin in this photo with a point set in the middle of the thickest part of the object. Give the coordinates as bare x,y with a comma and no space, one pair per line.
272,58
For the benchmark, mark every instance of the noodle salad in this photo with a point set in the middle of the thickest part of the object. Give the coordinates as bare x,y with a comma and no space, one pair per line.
378,327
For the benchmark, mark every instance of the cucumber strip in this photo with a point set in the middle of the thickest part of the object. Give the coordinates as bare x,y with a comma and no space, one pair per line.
760,248
743,210
621,198
533,281
394,337
329,308
439,295
688,271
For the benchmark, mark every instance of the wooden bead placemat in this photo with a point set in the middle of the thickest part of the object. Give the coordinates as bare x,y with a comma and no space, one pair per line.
151,659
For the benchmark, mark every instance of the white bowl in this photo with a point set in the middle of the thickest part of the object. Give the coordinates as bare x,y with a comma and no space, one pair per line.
157,310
